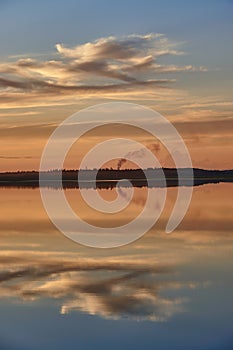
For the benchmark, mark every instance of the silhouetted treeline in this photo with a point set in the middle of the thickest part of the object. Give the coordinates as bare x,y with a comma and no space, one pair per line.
109,178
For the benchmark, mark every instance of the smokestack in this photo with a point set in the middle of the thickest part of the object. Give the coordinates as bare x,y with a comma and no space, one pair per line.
140,153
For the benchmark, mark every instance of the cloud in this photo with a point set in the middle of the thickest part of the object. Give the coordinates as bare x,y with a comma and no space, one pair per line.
123,48
110,289
106,66
15,157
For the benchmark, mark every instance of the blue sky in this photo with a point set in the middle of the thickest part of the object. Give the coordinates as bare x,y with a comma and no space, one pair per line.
206,27
32,26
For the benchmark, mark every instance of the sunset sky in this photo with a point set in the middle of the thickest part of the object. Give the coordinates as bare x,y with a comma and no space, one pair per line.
58,57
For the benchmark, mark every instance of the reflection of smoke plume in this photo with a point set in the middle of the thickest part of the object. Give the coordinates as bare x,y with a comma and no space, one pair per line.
139,201
153,147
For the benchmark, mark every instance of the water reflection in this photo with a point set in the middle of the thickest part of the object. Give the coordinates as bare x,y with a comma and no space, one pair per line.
150,279
108,289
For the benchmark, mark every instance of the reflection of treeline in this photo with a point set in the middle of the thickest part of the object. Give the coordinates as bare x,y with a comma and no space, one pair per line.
109,177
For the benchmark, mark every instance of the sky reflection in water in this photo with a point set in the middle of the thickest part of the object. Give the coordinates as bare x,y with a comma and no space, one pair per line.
172,290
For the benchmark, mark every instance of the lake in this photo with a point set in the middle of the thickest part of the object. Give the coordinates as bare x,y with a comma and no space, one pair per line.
164,291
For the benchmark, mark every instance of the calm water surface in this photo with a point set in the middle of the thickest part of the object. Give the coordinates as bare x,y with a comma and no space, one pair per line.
162,291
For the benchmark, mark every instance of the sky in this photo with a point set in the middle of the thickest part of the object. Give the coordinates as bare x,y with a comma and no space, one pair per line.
58,57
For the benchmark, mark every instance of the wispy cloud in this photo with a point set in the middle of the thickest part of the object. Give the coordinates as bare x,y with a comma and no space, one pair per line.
110,289
111,65
15,157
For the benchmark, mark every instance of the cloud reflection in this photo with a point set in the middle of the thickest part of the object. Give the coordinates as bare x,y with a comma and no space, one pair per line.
147,280
110,289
